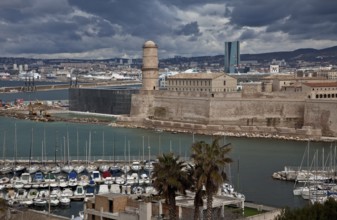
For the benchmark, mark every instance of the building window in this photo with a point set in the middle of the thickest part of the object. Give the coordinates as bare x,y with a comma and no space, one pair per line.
224,82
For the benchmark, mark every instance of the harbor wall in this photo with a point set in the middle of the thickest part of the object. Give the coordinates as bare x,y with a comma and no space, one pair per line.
321,114
232,113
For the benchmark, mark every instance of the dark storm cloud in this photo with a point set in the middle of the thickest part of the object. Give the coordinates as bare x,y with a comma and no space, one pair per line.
178,26
139,18
189,29
300,19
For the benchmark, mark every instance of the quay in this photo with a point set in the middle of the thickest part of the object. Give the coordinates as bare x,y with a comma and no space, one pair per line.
36,88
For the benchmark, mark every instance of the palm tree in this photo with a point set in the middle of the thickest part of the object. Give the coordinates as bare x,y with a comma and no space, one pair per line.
211,159
170,176
194,172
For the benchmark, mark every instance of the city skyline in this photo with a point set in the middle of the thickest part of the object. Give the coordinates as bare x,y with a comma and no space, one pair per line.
87,29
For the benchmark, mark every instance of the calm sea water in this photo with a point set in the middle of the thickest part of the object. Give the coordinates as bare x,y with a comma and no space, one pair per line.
254,159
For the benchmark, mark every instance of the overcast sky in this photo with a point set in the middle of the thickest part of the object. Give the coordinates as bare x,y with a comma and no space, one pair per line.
98,29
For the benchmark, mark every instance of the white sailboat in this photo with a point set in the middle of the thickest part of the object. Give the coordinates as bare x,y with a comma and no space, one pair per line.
6,168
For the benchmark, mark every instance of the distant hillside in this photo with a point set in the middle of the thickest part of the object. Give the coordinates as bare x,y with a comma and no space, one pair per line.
308,54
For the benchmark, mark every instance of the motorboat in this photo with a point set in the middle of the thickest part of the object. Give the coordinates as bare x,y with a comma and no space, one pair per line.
38,177
120,180
151,190
135,166
67,192
10,195
104,167
49,177
43,194
26,202
4,180
54,201
107,178
133,178
26,178
72,178
21,194
14,179
103,189
84,180
32,194
90,191
79,192
96,176
18,184
40,202
63,182
64,200
138,190
55,193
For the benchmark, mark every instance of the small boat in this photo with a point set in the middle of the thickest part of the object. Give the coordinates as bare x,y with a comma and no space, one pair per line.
27,186
79,169
43,194
90,168
38,177
135,166
67,192
6,169
79,192
33,169
55,193
96,176
150,190
67,168
18,184
90,192
63,183
21,194
84,180
72,178
107,178
32,194
138,190
54,201
26,202
103,189
133,178
26,178
49,177
56,169
120,180
104,167
40,202
65,201
14,179
4,180
18,169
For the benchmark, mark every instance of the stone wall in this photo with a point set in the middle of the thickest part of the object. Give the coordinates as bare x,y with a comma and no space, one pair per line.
321,114
259,115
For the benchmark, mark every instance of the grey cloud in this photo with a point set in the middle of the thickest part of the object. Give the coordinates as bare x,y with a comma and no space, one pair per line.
189,29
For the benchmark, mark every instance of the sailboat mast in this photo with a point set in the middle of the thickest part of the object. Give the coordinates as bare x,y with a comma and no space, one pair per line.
4,148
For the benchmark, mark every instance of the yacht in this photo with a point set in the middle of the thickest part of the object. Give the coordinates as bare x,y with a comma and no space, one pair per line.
26,178
96,176
21,194
79,192
135,166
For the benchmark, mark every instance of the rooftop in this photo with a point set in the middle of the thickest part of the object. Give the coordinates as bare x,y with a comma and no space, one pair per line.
196,76
321,84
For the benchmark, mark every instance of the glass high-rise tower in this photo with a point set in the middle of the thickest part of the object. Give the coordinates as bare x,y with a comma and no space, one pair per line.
232,56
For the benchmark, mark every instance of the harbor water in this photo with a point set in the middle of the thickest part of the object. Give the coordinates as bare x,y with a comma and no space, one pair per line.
254,159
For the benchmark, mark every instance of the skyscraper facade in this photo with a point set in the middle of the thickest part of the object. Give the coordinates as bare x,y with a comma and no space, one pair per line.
232,56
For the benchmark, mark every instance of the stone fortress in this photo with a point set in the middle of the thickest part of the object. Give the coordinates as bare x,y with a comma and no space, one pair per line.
296,107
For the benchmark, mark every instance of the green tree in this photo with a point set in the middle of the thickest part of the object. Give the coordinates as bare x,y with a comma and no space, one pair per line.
195,172
170,176
317,211
211,159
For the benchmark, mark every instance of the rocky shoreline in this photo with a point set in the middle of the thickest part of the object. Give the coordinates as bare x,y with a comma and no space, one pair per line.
93,118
